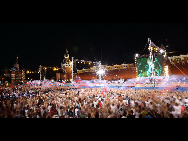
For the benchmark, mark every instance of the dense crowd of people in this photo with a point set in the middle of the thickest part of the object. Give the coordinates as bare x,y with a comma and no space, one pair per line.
69,102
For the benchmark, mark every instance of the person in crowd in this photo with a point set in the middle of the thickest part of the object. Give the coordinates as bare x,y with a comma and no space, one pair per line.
148,115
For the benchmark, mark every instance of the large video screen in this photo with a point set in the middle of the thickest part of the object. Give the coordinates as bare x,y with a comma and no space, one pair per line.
144,68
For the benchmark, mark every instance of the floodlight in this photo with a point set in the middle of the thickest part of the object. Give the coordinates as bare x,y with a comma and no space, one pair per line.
161,51
100,71
136,55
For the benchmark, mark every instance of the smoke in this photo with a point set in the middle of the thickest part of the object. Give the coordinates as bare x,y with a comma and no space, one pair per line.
173,82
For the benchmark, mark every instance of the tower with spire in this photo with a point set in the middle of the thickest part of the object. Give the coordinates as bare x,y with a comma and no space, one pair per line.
66,60
16,65
17,74
66,57
66,67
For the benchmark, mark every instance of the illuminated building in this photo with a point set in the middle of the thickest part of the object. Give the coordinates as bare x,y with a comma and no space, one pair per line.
178,64
86,70
6,72
179,59
106,67
17,75
66,69
156,63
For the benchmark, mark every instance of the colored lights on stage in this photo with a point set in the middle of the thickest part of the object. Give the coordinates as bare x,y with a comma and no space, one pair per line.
100,71
166,71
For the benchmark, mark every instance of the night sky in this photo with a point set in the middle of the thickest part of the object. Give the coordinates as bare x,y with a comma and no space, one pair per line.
45,43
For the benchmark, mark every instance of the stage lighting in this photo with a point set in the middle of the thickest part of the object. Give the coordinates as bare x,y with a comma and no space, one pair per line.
100,72
136,55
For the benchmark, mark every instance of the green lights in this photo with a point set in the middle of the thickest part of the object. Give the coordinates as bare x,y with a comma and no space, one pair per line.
144,66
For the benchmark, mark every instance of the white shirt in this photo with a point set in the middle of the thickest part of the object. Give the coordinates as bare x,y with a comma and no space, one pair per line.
133,111
136,115
125,102
174,113
181,103
85,102
49,107
26,111
177,109
113,108
186,100
132,103
151,107
102,102
147,103
177,101
186,104
123,117
76,98
55,116
76,112
14,106
95,103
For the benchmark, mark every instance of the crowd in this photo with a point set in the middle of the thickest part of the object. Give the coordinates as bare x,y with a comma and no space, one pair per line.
69,102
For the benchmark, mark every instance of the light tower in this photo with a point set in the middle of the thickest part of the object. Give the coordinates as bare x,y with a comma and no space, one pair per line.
100,71
136,56
40,67
151,52
72,68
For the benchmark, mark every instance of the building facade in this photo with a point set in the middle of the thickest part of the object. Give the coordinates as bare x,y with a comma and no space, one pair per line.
86,70
179,64
179,59
17,75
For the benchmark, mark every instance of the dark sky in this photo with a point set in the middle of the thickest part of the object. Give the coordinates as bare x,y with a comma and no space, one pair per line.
45,43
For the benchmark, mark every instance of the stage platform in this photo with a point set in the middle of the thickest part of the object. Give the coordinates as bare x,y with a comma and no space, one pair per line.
120,86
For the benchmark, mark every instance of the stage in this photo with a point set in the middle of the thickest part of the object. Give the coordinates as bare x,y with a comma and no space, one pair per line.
121,86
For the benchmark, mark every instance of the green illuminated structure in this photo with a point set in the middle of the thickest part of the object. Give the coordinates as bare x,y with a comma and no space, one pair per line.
144,66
